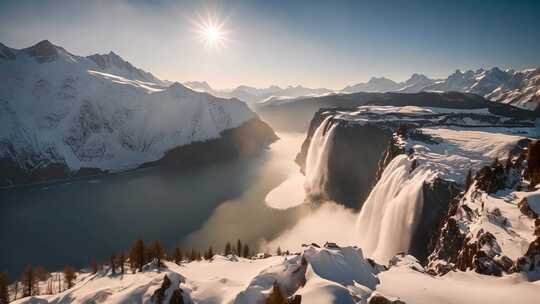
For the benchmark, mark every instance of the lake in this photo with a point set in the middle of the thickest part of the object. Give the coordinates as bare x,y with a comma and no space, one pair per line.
73,222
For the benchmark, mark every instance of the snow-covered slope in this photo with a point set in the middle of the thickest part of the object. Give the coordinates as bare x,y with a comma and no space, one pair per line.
59,108
331,274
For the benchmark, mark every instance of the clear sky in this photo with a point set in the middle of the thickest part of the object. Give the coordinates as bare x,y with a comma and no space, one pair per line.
313,43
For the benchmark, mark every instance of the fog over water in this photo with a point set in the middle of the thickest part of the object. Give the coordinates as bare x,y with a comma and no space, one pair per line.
73,222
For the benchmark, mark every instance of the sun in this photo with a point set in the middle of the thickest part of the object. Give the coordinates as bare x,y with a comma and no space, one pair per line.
211,32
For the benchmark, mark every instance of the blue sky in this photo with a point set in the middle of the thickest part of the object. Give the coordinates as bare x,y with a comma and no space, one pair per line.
313,43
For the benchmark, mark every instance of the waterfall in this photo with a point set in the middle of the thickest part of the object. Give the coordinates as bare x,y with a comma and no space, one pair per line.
391,212
317,159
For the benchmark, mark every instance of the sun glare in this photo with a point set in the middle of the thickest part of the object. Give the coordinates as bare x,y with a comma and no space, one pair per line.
211,32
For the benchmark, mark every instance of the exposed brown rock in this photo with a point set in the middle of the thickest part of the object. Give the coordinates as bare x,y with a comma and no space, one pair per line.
380,299
177,297
524,207
159,294
276,297
533,162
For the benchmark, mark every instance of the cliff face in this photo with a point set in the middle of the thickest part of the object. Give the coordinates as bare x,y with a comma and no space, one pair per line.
355,159
366,139
493,228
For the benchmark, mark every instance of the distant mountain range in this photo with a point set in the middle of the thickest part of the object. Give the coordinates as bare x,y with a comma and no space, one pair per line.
63,115
255,95
518,88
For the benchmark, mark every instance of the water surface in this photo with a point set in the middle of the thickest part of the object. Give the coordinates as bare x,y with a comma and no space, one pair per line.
73,222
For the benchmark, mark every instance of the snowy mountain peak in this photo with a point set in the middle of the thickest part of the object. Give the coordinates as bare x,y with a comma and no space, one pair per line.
116,65
199,86
177,86
45,51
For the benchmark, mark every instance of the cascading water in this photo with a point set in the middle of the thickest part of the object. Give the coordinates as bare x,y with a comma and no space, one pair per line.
391,212
317,159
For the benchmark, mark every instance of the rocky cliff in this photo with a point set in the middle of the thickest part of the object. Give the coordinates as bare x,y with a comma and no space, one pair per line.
365,140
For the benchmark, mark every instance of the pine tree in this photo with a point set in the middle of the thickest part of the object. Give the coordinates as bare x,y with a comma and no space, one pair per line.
94,266
112,264
278,251
209,254
137,254
239,248
178,256
121,261
193,255
245,252
69,276
41,273
4,282
228,249
198,256
28,279
157,253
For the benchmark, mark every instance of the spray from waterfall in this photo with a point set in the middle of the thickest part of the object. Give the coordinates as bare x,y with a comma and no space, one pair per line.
392,210
317,159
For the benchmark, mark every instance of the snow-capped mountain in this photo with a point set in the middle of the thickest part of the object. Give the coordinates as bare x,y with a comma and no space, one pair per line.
62,113
375,84
111,63
522,90
256,95
518,88
415,84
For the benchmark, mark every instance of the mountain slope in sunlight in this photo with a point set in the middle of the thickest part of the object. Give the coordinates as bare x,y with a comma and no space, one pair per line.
59,110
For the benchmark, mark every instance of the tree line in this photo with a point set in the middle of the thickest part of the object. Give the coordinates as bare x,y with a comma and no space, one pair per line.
138,258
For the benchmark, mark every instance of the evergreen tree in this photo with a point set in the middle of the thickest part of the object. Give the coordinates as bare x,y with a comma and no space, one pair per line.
198,256
239,248
228,249
4,282
245,251
137,254
41,273
121,261
94,266
28,279
278,251
157,253
69,276
193,255
178,256
112,264
209,254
